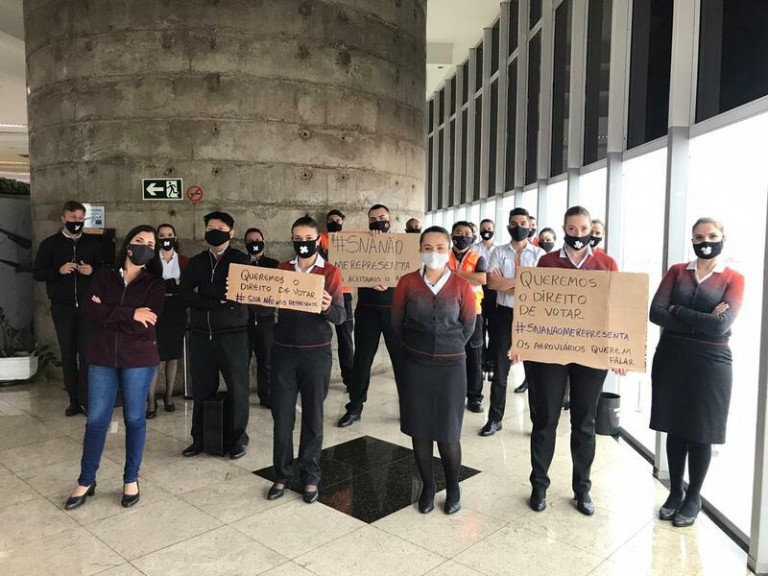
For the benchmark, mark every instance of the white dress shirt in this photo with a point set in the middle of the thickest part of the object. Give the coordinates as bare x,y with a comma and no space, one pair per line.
171,268
503,260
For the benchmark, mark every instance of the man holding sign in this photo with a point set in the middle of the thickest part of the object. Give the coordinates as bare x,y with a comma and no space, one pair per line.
301,362
550,380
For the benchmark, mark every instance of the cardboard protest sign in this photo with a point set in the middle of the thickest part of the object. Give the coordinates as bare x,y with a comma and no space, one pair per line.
279,288
593,318
368,260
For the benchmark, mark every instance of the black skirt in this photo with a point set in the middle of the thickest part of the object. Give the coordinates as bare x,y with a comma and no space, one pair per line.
433,393
691,383
170,329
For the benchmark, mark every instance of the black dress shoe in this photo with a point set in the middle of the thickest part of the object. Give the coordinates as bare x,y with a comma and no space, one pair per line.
73,410
275,492
129,500
310,496
670,507
348,419
427,499
452,502
522,388
687,514
475,406
490,428
192,450
537,503
77,501
584,504
169,406
237,451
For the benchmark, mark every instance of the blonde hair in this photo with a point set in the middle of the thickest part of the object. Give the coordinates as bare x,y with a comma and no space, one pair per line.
706,220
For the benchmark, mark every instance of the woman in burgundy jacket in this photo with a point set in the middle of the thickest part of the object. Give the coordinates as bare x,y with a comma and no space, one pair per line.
122,306
433,314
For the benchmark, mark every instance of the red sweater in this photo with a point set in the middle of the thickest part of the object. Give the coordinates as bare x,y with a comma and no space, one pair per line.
597,261
306,330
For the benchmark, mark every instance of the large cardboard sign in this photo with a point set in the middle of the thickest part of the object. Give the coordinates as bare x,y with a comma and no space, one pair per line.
278,288
370,260
593,318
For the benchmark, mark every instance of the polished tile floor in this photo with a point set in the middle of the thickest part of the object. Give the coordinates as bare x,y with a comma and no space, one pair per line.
208,515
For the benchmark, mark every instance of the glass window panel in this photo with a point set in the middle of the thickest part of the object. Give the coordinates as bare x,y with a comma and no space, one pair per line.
465,83
440,164
733,55
479,67
644,182
731,162
650,64
509,178
535,12
557,204
507,204
532,130
492,139
597,80
472,214
431,205
431,106
464,152
561,84
593,193
478,144
452,91
514,19
452,161
487,210
495,48
529,200
441,107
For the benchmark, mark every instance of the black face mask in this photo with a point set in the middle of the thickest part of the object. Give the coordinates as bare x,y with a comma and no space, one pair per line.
255,248
531,232
518,233
547,246
577,242
74,227
305,248
216,237
486,234
382,225
463,242
333,227
140,254
413,230
595,240
168,244
707,250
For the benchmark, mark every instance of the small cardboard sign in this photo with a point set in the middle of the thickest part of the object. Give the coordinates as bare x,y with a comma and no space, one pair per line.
277,288
369,260
588,317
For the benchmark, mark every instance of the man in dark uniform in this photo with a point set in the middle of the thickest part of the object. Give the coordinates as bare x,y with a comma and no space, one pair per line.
261,319
65,262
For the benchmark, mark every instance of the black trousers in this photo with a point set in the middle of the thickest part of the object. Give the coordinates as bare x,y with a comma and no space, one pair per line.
371,322
549,381
73,333
261,334
489,316
344,340
502,342
474,350
228,354
306,371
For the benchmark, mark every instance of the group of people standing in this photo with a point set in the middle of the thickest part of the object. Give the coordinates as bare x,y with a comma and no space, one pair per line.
444,325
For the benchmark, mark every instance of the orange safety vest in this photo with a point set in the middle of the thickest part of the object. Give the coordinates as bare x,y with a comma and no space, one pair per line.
468,264
324,243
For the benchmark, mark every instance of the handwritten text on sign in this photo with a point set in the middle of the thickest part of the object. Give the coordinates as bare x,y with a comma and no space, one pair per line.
593,318
368,260
279,288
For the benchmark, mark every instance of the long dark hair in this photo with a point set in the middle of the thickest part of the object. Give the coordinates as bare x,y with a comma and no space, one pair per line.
177,246
154,266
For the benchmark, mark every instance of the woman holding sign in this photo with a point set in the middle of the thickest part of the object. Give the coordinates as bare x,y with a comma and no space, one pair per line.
434,315
696,304
301,363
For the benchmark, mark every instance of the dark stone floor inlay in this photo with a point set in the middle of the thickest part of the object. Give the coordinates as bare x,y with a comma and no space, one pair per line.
369,478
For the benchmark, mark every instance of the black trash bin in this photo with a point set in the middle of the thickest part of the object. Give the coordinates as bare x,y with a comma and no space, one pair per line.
608,407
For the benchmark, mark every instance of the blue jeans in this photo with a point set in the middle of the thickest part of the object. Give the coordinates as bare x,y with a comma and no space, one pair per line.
103,386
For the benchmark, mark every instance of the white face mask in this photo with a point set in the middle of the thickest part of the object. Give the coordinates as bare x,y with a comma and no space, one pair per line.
433,260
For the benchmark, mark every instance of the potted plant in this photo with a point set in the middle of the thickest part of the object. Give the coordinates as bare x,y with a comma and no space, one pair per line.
20,359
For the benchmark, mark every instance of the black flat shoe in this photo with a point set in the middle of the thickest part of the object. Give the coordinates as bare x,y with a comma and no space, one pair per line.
129,500
427,499
152,413
72,410
348,419
687,514
77,501
522,388
584,505
275,492
475,406
310,496
452,503
537,503
237,451
192,450
169,406
490,428
670,507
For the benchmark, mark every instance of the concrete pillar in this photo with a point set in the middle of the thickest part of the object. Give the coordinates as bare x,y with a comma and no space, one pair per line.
274,107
